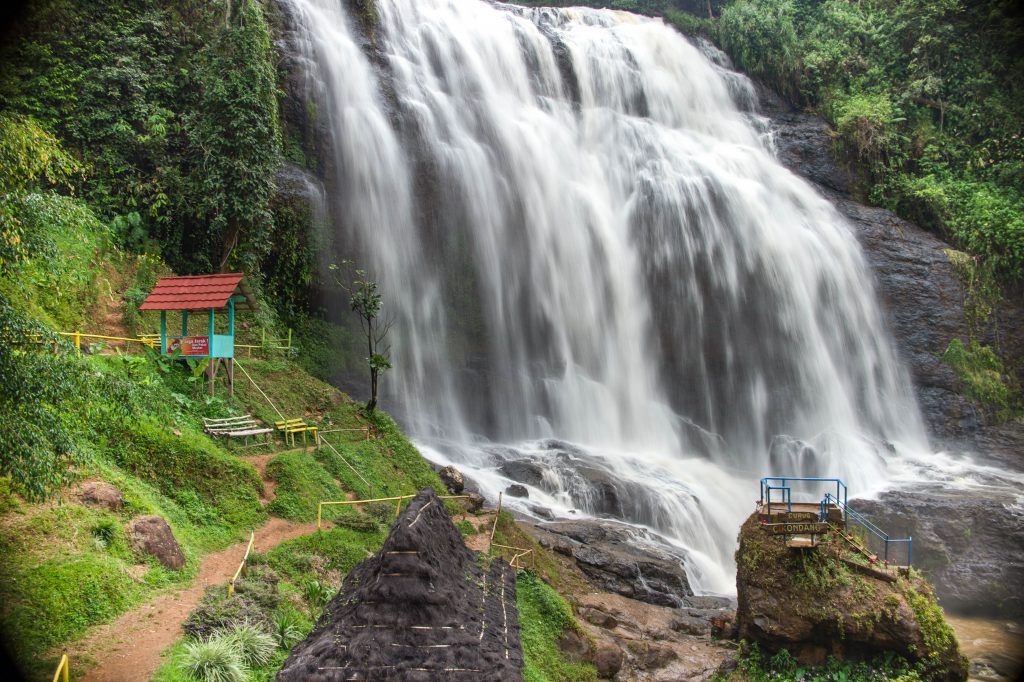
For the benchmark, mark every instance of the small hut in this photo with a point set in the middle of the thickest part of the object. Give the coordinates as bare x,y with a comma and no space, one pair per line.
422,608
226,292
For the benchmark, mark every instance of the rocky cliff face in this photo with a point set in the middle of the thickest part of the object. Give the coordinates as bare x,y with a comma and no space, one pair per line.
919,289
825,601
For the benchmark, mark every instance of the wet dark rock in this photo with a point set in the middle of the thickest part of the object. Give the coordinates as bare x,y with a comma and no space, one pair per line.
620,559
423,576
152,535
542,512
516,490
574,646
473,502
968,547
608,660
523,470
452,479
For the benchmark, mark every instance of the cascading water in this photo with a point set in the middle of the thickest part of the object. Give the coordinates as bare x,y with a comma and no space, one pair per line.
606,286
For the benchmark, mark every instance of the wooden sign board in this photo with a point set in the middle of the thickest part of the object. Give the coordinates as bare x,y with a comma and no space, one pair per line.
189,345
811,528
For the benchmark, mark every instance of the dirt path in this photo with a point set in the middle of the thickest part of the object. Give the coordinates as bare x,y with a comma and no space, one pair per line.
129,648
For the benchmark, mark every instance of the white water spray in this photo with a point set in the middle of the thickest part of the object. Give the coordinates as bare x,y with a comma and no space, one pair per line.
607,287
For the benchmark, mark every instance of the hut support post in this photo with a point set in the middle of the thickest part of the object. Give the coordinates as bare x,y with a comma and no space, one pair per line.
163,331
211,367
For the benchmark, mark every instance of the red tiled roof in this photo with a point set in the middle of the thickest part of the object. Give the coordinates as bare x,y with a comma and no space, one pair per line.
199,292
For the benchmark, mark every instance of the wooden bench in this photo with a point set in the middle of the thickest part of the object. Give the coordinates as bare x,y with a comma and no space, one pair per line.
289,427
237,427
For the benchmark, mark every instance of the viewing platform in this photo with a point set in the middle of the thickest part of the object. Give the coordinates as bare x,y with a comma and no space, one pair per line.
804,523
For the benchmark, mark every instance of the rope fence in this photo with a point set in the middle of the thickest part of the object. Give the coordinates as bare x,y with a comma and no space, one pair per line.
349,465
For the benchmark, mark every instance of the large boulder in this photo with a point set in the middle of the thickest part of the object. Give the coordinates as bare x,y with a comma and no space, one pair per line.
452,479
152,535
819,602
101,494
620,558
969,547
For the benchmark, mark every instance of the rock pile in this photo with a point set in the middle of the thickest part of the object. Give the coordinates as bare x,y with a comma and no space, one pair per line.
423,608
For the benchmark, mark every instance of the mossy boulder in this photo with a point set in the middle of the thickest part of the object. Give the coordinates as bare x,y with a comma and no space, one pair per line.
826,601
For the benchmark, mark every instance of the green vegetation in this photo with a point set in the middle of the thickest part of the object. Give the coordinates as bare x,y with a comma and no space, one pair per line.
243,637
544,616
301,484
756,665
927,99
983,377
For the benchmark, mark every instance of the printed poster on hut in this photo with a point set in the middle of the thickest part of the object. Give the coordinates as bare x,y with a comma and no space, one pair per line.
189,345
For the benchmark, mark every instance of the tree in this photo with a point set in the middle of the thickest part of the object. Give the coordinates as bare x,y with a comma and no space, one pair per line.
366,302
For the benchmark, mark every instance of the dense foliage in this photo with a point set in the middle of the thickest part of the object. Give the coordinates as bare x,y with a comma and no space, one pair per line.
170,108
926,96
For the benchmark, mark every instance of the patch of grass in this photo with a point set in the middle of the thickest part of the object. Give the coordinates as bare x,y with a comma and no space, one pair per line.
217,659
316,555
301,483
984,378
58,599
465,528
544,616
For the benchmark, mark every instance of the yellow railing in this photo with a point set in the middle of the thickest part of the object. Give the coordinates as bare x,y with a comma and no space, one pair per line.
63,671
241,566
364,429
519,551
76,339
397,499
263,345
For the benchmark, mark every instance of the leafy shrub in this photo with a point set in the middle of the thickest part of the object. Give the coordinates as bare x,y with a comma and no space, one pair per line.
254,645
761,38
864,124
216,659
382,512
289,626
317,595
260,586
219,612
104,532
758,665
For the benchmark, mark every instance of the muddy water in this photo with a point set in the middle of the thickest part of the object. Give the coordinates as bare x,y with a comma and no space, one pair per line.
994,647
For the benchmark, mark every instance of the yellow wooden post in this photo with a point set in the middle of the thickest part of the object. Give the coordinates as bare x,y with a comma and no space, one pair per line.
62,672
78,343
319,509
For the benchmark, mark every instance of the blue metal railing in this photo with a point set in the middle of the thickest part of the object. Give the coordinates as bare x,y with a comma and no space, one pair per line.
851,515
770,483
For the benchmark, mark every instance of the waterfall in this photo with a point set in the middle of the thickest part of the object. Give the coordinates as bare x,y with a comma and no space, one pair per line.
607,287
